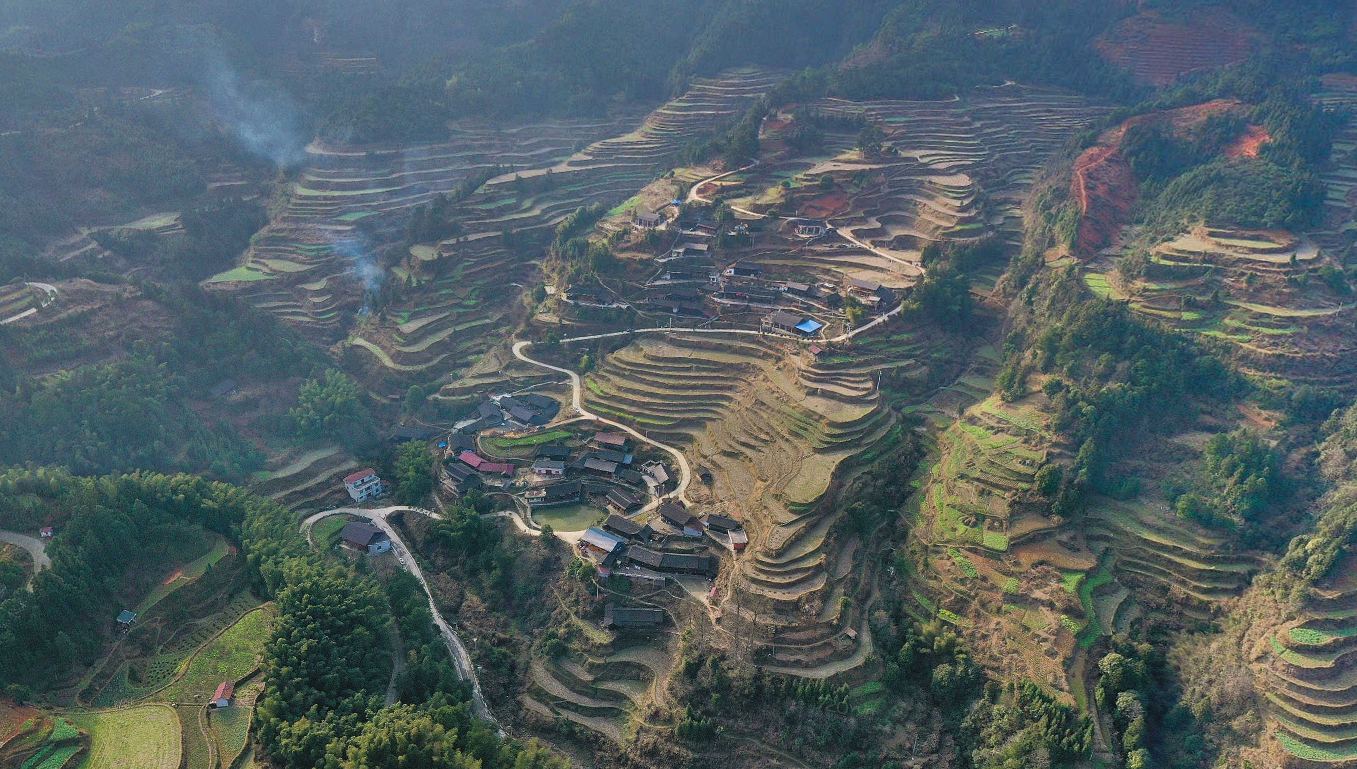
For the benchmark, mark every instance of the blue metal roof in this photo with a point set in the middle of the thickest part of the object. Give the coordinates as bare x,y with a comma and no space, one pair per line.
809,326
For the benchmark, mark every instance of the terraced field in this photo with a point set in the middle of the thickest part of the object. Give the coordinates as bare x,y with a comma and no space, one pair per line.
1250,293
776,430
303,267
1305,670
605,693
958,170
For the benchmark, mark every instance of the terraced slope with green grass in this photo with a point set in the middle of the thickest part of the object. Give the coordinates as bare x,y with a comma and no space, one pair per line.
1260,296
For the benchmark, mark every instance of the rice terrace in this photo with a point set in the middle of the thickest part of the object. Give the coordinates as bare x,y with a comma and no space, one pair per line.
627,384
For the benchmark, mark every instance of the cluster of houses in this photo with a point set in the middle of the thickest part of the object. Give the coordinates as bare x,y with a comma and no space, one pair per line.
526,410
641,551
605,467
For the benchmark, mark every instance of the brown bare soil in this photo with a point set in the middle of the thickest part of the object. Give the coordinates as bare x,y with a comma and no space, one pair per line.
1157,51
826,206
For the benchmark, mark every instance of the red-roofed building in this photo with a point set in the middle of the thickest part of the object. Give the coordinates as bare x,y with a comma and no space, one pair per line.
46,532
363,485
472,458
498,468
223,695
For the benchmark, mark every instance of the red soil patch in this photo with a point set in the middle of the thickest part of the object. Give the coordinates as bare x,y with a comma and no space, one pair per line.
13,716
1248,145
1106,191
1157,51
1105,187
826,206
707,190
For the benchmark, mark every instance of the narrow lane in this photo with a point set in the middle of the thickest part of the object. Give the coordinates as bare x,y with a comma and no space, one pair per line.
35,547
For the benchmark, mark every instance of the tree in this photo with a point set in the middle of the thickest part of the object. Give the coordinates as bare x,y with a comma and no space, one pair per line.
331,407
414,472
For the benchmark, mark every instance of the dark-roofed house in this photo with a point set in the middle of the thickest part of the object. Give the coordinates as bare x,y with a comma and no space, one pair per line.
222,697
608,455
459,441
551,468
555,494
603,546
553,451
736,271
595,295
628,617
224,387
628,476
623,501
673,563
727,532
404,433
681,519
627,528
799,289
459,479
600,466
364,538
615,441
657,476
126,617
781,321
647,221
549,407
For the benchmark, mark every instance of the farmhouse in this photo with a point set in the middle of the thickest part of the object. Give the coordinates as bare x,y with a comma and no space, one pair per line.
623,502
681,519
46,532
630,477
607,455
614,441
690,275
222,697
592,295
673,563
627,528
363,485
601,545
688,250
459,479
797,289
647,221
599,466
657,476
364,538
810,229
550,468
555,494
530,410
126,617
785,322
869,292
727,532
553,451
736,271
626,617
224,387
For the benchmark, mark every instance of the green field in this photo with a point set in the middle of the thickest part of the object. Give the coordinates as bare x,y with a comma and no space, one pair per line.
242,274
326,531
569,517
229,657
141,737
527,440
185,575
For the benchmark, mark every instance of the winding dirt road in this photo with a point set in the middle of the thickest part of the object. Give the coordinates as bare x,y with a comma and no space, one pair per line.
35,547
466,669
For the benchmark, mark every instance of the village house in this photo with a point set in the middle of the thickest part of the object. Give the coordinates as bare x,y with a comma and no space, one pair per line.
363,485
811,229
691,275
673,563
787,323
628,529
549,468
482,465
601,547
871,293
626,617
596,296
647,221
125,619
727,532
364,538
403,433
529,410
460,479
612,441
46,532
796,289
681,519
736,271
622,501
553,451
689,250
222,697
598,466
555,494
657,477
608,455
630,477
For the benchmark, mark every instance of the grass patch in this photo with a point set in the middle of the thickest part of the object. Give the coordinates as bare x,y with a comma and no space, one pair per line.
569,517
143,737
1071,580
994,540
240,275
325,531
229,657
963,563
1312,637
184,576
529,440
1312,753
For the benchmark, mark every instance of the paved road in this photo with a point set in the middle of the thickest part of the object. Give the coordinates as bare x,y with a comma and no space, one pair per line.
35,547
49,296
577,402
465,667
